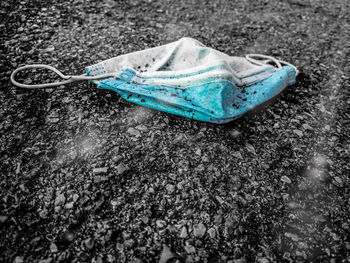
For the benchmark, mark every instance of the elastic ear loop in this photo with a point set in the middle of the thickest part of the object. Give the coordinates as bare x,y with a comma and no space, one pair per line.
67,79
250,58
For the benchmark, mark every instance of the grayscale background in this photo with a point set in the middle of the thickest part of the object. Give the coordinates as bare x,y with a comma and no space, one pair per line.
88,177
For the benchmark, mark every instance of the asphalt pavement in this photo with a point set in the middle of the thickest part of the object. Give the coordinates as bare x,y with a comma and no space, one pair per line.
87,177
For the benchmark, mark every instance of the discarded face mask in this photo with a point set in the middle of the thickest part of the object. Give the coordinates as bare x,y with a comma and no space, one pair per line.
188,79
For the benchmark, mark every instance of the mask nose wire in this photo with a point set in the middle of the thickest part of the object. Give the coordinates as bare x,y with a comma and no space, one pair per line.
66,78
262,60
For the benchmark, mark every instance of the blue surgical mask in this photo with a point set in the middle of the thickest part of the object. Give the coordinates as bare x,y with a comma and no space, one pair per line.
189,79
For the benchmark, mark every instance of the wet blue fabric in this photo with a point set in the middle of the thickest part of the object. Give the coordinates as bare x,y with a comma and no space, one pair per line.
215,100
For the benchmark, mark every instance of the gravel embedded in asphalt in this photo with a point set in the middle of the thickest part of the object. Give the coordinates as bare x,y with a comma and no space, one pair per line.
88,177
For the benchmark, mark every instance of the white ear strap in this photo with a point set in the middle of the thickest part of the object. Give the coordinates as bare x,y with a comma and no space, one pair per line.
67,79
258,60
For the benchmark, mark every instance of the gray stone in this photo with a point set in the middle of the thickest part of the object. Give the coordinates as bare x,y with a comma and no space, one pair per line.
100,170
212,232
170,188
199,230
160,223
129,243
53,248
60,200
286,179
133,132
122,168
166,254
189,248
184,233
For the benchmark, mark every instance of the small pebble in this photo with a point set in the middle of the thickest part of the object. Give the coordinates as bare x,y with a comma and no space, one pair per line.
286,179
133,132
160,223
69,236
142,127
250,148
129,243
69,205
166,254
237,154
184,233
89,243
75,197
111,258
121,168
263,260
298,132
170,188
235,133
212,232
60,200
18,259
100,170
145,219
48,260
50,49
189,248
307,127
53,248
199,230
119,246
